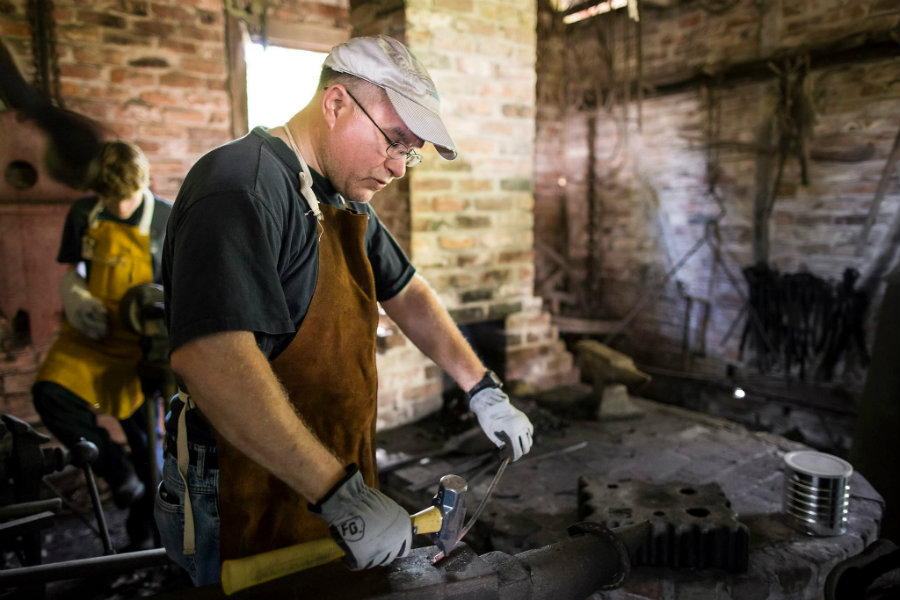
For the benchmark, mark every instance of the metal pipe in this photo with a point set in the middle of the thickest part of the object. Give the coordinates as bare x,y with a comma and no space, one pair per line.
576,568
23,509
85,567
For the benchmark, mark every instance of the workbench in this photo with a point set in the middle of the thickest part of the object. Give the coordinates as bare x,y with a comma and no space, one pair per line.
537,497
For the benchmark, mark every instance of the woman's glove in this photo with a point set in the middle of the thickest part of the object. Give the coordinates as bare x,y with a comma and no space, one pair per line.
496,415
371,528
83,311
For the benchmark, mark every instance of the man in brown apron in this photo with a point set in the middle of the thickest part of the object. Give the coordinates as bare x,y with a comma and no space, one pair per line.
92,365
274,264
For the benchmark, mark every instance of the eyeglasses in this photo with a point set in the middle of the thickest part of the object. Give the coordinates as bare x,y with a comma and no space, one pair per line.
394,150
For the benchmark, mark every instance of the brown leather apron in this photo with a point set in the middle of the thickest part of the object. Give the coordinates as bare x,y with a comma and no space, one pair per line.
330,376
104,372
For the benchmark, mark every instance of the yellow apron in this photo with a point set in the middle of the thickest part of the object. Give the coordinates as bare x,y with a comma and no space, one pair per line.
104,373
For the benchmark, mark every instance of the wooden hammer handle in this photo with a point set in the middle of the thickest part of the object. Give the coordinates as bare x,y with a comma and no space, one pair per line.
241,573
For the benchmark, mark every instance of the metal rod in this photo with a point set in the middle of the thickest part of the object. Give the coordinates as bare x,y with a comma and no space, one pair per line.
98,510
152,440
464,467
23,509
886,172
487,495
85,567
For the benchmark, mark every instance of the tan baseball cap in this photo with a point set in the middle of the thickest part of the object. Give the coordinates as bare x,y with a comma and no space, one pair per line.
390,65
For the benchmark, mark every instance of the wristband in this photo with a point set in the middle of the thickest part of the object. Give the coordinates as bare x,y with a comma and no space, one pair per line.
490,380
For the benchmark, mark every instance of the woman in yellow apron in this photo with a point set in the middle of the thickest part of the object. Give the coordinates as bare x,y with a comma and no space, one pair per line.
92,366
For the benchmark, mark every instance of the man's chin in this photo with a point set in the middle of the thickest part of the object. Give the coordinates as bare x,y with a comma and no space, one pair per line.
360,195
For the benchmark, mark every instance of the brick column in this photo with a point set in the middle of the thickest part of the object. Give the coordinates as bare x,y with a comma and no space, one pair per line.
471,219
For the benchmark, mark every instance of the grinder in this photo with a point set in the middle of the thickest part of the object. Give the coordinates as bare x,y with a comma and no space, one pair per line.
444,518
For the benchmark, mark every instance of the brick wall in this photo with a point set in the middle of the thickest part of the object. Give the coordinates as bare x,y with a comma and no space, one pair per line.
625,190
471,219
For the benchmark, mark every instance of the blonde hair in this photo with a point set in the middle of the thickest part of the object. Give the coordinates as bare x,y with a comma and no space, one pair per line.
122,170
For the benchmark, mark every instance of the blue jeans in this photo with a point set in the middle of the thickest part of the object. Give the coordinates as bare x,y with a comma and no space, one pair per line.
204,566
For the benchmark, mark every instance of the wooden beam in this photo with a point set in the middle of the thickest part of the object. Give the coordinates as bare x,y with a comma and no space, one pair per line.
854,48
302,36
235,38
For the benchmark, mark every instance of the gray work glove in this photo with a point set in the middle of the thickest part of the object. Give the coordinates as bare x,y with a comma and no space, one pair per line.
371,528
496,415
85,312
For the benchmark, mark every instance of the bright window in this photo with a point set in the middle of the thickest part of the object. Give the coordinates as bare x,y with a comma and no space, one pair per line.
280,81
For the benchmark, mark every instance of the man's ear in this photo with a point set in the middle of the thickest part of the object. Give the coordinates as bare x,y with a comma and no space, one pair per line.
334,102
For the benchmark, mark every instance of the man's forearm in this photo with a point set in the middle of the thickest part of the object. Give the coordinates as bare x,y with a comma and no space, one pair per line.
424,320
234,386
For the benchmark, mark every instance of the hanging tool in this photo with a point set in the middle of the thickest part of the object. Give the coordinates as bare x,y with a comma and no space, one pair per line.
444,518
506,453
74,141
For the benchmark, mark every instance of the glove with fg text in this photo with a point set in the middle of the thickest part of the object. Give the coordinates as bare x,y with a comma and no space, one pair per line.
85,312
497,415
371,528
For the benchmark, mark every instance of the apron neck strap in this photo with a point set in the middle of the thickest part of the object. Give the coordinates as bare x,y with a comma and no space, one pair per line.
305,176
147,217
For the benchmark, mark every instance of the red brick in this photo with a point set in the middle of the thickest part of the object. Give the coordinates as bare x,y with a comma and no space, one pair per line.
171,12
203,34
15,27
184,116
80,71
207,67
19,405
423,184
79,34
159,98
102,19
449,204
476,185
178,46
131,78
18,383
180,80
459,242
454,5
154,29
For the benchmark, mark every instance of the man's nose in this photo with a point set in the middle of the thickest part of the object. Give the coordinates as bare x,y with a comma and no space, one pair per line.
396,166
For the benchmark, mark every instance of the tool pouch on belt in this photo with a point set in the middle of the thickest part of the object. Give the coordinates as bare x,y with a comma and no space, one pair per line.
183,413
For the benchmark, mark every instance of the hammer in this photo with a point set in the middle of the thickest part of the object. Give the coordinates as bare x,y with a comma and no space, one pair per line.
444,518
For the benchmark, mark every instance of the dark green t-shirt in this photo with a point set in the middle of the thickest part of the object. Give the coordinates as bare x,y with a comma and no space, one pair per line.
241,250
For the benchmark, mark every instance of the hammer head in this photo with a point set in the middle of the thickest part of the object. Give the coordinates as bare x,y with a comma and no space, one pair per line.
451,501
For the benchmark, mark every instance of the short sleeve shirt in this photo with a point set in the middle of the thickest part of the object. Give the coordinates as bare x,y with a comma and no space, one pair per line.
76,226
241,250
